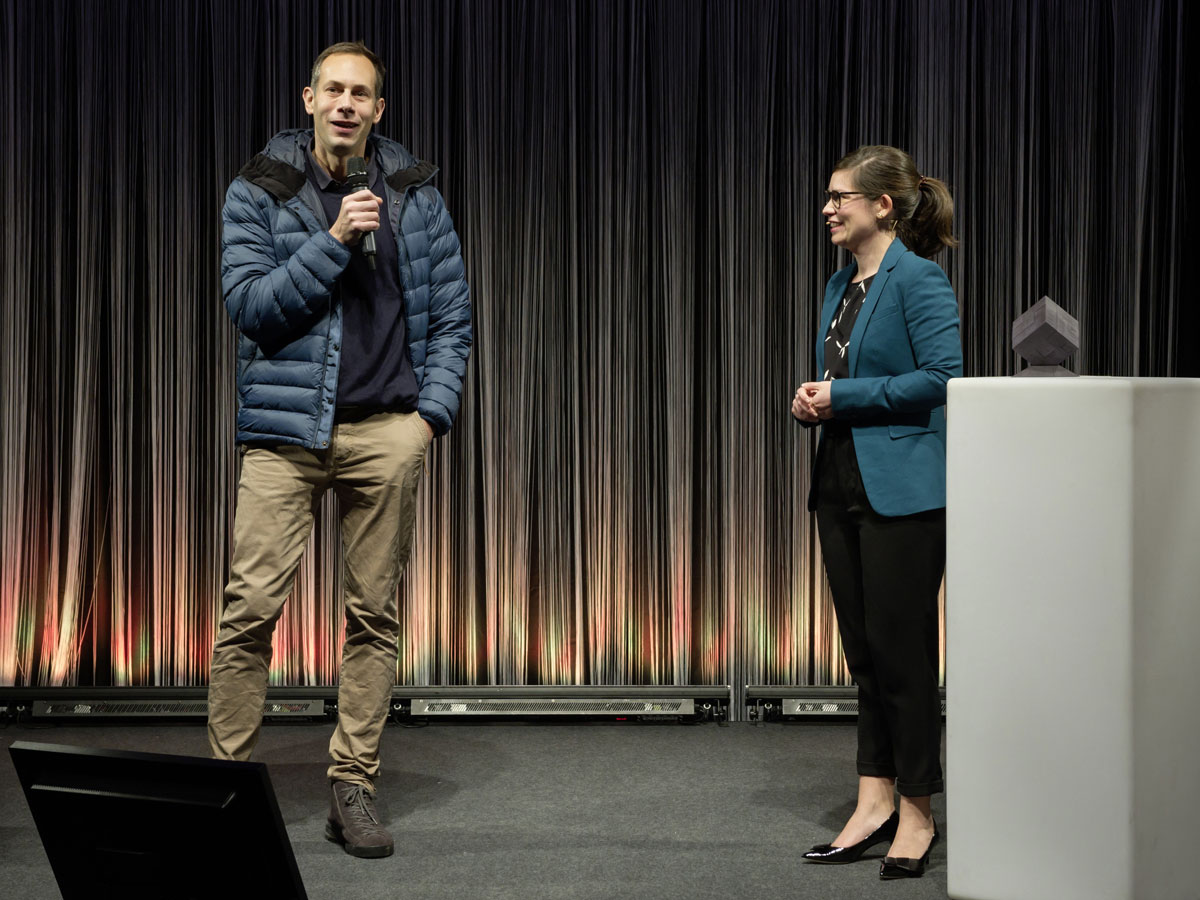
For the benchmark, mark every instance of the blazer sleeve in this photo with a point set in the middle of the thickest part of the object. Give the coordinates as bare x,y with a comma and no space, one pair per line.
931,320
450,335
272,302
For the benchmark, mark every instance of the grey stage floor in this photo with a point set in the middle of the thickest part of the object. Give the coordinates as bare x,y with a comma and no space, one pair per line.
517,810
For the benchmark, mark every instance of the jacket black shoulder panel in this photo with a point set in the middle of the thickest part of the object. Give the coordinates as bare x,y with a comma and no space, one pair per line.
418,173
277,178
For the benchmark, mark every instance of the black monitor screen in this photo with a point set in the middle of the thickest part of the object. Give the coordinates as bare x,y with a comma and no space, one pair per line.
133,825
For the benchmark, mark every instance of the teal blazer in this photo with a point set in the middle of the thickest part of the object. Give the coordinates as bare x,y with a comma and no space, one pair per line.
904,347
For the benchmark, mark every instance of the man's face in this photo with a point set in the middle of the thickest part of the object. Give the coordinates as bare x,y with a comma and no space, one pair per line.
343,107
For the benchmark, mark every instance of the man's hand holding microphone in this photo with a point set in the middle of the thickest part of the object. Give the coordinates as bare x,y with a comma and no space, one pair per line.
359,215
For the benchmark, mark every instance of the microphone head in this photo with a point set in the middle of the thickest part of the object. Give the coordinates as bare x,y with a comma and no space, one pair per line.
356,173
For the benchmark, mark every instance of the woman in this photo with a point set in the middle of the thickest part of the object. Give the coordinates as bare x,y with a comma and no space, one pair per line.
888,343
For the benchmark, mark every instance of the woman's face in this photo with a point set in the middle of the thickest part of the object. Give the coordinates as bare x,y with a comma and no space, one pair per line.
857,219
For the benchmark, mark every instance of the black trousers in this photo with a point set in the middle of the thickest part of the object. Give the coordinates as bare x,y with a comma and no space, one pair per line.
884,573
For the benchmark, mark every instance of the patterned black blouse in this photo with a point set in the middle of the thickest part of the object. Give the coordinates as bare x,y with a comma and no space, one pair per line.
837,342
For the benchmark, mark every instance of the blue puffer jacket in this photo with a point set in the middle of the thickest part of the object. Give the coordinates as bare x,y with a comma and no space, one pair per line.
279,264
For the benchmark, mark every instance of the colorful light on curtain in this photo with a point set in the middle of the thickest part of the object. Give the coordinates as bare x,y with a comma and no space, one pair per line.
637,186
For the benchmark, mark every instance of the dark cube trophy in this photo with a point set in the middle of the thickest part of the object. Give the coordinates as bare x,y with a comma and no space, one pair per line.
1045,335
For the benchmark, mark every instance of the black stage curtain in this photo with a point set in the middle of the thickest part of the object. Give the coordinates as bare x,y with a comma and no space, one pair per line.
637,186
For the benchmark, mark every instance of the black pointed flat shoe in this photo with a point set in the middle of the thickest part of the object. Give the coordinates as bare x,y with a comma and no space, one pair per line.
894,867
827,853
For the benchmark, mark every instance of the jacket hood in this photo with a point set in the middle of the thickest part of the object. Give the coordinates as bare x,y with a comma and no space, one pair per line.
290,145
279,168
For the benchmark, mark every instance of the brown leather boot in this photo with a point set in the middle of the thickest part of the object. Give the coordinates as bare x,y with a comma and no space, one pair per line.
354,824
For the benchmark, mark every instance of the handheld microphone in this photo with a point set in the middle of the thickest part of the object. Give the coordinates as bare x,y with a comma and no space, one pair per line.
356,178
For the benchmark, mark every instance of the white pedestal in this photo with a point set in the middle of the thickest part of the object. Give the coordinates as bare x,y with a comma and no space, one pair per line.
1073,639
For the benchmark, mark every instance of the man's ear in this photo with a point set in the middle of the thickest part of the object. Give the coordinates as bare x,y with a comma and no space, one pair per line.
309,97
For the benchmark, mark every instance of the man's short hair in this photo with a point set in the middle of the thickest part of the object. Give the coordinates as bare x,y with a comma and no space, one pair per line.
357,48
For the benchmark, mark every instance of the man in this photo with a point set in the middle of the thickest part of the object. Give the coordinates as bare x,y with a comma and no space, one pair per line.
349,363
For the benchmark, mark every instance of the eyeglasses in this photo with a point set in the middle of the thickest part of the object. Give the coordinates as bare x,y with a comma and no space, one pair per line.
836,197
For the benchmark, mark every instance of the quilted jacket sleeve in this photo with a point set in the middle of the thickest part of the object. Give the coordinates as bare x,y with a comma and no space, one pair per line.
271,301
449,342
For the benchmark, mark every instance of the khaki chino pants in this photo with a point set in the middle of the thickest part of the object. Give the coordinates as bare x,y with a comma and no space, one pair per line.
374,466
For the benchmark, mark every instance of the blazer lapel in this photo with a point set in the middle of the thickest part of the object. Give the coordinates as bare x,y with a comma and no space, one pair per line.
889,261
